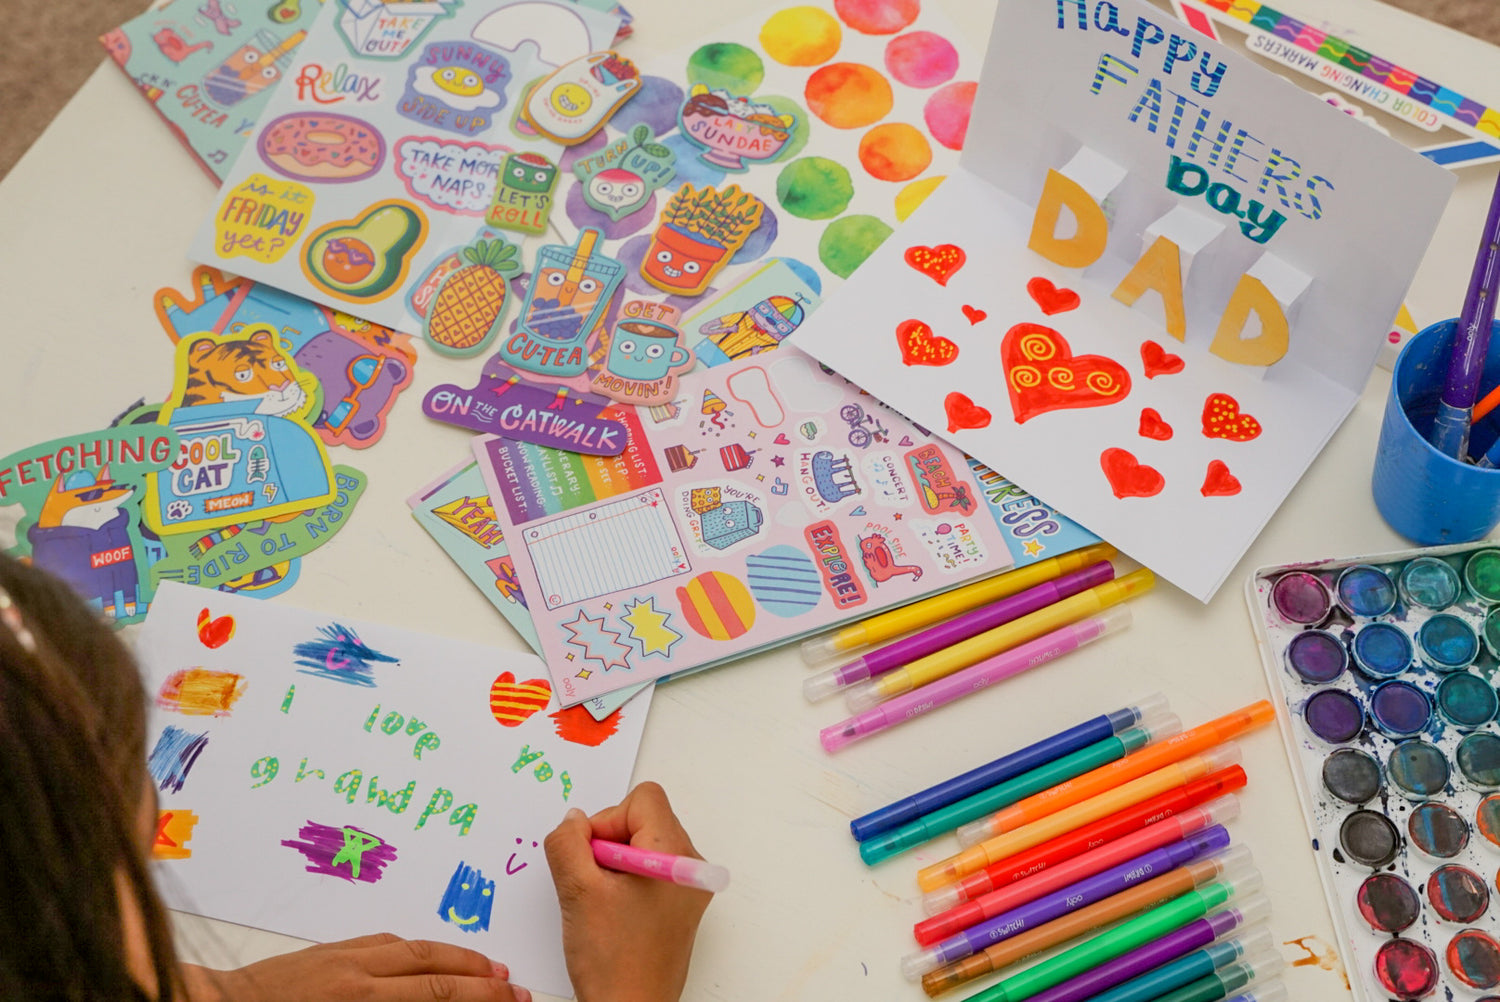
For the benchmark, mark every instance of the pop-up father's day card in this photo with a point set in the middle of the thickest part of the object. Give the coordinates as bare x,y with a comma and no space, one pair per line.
1153,291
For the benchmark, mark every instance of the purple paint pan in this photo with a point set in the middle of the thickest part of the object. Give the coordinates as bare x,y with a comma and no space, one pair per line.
1317,656
1301,598
1334,715
1400,709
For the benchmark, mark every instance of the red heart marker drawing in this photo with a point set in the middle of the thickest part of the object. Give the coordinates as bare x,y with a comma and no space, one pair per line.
937,263
1222,419
1043,375
1152,426
964,413
512,702
919,346
1158,361
974,315
215,632
1050,298
783,440
1129,478
1219,483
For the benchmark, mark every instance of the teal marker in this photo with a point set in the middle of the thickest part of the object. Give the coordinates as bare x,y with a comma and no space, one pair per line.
1219,984
1124,937
1199,964
1086,759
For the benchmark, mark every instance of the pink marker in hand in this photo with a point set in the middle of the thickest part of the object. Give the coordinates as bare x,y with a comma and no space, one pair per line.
682,870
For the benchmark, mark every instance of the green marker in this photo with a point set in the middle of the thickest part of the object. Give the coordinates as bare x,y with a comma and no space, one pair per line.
1124,937
945,819
1227,980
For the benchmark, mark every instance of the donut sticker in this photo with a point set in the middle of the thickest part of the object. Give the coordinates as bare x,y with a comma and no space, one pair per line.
365,259
455,86
261,218
316,146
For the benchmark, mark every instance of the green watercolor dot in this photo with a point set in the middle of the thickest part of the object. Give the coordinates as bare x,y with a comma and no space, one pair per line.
848,241
1482,575
814,188
727,66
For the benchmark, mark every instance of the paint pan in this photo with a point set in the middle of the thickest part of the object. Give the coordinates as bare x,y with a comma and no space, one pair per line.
1334,715
1366,591
1382,651
1317,656
1482,575
1487,818
1388,903
1447,642
1418,769
1400,709
1491,632
1430,583
1301,598
1457,894
1406,969
1466,700
1478,758
1474,958
1369,838
1437,829
1352,775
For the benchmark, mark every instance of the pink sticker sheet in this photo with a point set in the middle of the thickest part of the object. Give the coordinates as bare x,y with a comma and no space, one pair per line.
769,500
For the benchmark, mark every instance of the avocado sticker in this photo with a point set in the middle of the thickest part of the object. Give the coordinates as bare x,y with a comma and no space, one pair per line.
365,259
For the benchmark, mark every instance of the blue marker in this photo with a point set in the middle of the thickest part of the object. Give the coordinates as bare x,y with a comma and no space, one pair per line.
1005,768
1184,970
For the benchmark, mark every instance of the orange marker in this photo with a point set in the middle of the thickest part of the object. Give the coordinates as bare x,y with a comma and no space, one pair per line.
1122,770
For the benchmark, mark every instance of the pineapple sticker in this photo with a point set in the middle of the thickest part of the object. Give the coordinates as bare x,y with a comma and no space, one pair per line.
465,314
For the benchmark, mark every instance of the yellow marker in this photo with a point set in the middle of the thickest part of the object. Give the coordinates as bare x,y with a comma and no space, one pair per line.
961,655
918,615
977,857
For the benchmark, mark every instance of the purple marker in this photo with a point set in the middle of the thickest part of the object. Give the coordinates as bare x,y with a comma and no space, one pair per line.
970,624
1068,899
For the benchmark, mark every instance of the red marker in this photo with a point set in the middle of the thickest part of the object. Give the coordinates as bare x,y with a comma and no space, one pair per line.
1091,836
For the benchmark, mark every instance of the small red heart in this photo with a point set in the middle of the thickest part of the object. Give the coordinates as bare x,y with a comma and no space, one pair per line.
1158,361
1152,426
1219,483
937,263
215,632
1050,298
783,440
1129,478
1222,419
919,346
964,413
974,315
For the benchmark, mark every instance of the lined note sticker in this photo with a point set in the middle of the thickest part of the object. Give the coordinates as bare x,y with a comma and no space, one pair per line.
627,543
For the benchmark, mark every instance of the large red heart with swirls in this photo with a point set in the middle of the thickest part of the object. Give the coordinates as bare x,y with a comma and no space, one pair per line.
1042,373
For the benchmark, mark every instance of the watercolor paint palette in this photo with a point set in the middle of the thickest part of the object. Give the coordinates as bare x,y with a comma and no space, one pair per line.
1385,668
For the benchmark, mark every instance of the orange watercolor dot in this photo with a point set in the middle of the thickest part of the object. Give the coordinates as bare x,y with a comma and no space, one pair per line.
894,151
801,36
878,17
914,195
848,95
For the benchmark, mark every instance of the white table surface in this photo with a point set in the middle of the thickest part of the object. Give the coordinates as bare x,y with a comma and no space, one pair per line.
98,215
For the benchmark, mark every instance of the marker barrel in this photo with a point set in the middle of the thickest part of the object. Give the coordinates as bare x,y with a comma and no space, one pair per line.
1233,978
1187,969
1273,990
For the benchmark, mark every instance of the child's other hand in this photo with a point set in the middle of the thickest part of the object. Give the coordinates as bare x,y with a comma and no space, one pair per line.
626,938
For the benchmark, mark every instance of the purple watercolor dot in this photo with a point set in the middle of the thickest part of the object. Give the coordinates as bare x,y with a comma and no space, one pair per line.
656,104
581,214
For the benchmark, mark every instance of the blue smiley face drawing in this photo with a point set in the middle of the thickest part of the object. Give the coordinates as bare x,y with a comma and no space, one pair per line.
468,899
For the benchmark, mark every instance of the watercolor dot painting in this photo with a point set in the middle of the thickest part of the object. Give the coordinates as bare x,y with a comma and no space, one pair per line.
801,36
726,65
878,17
921,59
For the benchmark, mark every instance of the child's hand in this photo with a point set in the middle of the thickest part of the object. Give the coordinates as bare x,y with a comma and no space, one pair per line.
626,938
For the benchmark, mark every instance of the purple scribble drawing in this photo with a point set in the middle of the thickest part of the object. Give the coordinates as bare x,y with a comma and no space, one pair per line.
347,852
173,757
340,656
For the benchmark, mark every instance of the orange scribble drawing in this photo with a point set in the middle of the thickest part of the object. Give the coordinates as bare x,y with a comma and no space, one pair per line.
173,831
201,692
575,724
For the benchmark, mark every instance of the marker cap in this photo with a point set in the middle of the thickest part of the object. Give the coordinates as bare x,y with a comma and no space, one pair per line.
1160,726
1246,944
914,965
1269,991
945,897
817,650
1244,972
1242,885
826,683
1150,705
861,696
1219,810
1222,757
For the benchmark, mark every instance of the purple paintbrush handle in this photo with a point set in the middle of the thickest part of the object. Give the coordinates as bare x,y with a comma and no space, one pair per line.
1471,339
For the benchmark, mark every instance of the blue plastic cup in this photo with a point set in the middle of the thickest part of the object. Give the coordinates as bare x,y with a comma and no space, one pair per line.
1426,496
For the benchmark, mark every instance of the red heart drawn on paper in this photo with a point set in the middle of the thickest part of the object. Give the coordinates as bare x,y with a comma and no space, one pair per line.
919,346
783,440
937,263
964,413
1152,426
1222,419
215,632
1050,298
1129,478
1158,361
1043,375
512,702
974,314
1219,483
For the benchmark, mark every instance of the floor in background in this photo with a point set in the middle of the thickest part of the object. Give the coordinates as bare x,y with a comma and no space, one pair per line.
56,46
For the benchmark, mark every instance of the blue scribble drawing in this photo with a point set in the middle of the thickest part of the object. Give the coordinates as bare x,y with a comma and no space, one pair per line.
175,752
340,656
468,899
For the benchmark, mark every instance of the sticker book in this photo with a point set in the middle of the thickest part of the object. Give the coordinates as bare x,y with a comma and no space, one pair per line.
1156,287
322,777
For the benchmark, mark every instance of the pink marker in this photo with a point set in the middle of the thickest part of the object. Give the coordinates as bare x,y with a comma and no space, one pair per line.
926,698
682,870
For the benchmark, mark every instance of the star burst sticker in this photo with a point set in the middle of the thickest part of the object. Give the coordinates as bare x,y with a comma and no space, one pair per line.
648,626
598,644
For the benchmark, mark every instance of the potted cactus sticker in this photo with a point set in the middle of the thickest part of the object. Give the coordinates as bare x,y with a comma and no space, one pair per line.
465,313
700,230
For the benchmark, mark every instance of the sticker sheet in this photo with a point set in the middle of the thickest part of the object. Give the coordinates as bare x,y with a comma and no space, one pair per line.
770,501
326,778
1155,289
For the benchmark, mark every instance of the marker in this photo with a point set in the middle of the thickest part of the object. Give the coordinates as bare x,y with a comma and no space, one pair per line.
863,695
918,615
936,638
1109,777
1267,991
1471,340
945,819
1005,924
1127,936
1148,956
1055,852
923,700
977,857
1007,767
1232,979
1152,893
683,870
1105,858
1187,969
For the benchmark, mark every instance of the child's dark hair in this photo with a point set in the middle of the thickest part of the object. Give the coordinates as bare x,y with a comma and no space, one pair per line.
72,784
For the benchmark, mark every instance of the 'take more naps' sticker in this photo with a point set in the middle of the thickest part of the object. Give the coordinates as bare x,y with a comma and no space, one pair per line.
262,218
